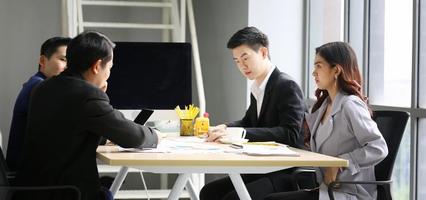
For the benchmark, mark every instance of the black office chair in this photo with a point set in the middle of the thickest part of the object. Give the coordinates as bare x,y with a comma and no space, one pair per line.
10,174
3,160
7,191
392,125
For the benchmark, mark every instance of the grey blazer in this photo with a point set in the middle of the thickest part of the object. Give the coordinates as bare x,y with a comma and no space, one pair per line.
352,135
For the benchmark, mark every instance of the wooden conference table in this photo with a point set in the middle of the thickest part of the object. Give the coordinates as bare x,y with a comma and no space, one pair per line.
212,162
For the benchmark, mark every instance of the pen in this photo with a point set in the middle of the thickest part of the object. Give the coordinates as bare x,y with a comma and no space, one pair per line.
236,146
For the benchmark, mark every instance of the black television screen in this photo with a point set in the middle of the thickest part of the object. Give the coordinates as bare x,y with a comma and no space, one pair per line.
150,75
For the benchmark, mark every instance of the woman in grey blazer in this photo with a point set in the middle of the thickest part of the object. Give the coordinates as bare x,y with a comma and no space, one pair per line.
340,125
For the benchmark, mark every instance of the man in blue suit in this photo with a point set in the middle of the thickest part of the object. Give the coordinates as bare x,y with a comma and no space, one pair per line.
52,62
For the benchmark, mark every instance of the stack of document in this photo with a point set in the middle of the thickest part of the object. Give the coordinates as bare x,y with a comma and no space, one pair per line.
268,150
263,149
187,145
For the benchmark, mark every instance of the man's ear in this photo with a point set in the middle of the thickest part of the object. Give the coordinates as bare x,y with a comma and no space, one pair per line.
96,67
264,52
42,61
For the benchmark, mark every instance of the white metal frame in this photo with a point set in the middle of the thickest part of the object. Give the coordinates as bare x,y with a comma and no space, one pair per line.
76,24
184,178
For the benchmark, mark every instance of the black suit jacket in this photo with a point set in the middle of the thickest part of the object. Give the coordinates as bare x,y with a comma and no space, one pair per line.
67,118
281,114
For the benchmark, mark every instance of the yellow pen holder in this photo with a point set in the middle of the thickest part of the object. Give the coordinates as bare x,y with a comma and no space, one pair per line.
186,127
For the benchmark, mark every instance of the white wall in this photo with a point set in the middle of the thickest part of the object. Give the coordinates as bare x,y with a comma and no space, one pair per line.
282,21
24,25
225,87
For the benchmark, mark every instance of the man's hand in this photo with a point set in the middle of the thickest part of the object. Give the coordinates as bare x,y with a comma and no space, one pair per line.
104,86
158,133
109,143
330,174
216,132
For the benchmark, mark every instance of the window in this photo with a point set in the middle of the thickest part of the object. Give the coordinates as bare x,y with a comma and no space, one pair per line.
390,72
390,52
422,57
401,171
356,30
421,194
421,162
326,25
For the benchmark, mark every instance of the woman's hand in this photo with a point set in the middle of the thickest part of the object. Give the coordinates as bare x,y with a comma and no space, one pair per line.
330,174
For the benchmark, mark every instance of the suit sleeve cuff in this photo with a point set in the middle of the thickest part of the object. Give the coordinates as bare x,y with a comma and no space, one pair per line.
151,139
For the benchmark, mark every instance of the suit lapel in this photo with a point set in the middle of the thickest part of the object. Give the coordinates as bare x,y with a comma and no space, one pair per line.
313,121
329,124
327,128
266,95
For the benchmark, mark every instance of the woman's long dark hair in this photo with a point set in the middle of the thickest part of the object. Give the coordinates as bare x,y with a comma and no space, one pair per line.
349,80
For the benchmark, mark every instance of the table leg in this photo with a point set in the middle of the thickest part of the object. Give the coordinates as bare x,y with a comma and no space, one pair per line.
191,190
240,187
197,181
178,186
119,178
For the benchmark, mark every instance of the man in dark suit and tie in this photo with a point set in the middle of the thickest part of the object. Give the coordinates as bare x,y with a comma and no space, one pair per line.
275,113
68,115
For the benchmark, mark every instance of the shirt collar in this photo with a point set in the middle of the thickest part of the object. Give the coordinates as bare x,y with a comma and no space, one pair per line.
262,86
257,90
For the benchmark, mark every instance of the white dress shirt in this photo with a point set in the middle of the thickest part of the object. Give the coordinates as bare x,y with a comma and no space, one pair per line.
259,91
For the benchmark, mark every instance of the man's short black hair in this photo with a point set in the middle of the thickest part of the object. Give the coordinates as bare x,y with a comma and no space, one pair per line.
86,48
250,36
50,46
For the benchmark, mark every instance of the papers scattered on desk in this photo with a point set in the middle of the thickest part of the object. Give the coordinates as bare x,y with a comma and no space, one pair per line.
191,145
186,140
185,145
265,150
157,150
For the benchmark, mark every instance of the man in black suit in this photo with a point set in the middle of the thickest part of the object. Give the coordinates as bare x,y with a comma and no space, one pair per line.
68,116
275,113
